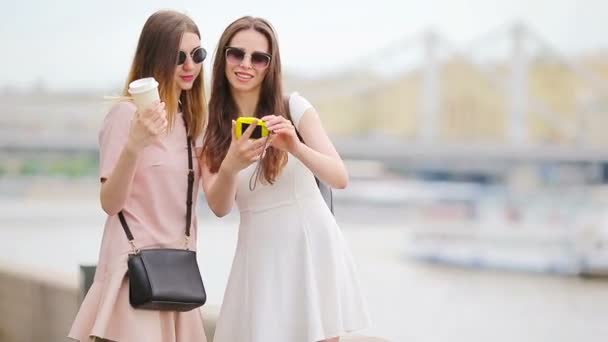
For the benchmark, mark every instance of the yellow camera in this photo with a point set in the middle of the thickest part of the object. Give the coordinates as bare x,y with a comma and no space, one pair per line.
243,123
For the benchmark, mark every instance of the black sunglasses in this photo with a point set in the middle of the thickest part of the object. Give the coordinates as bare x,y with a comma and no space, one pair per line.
198,56
259,60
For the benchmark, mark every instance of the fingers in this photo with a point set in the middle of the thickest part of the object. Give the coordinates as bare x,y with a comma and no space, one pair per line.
156,126
247,134
277,123
283,128
160,121
153,111
246,143
254,159
269,117
256,153
272,120
252,150
257,143
250,145
248,156
154,119
246,149
161,126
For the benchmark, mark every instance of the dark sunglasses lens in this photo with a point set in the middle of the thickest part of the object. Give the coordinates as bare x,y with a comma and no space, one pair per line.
181,58
260,60
199,55
235,55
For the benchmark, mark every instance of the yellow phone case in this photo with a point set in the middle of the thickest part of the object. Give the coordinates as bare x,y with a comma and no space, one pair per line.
243,122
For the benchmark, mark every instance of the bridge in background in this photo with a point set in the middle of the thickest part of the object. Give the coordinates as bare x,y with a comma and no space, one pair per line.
68,123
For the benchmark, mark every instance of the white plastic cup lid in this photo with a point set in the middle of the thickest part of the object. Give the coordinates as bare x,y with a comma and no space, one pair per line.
142,85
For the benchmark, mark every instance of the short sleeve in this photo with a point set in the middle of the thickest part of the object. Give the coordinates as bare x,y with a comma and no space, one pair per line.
113,136
298,105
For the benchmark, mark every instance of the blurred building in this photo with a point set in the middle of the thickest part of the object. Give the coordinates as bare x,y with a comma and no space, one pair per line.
524,93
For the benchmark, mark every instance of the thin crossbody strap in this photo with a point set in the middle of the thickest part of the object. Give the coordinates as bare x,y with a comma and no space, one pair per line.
121,216
253,180
190,183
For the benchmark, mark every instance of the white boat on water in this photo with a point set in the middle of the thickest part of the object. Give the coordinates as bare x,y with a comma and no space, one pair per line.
552,230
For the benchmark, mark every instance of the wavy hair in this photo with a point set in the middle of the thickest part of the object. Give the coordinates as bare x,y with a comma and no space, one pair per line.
223,108
155,56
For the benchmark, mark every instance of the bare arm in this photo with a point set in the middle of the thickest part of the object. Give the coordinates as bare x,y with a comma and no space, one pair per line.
318,153
220,187
145,128
115,189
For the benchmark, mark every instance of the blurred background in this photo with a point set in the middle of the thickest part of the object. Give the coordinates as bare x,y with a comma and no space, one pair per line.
473,131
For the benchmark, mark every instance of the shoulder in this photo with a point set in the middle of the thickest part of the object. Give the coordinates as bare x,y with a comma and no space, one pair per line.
122,111
118,120
298,105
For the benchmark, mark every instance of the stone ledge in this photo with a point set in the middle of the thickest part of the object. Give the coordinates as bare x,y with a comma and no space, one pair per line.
39,306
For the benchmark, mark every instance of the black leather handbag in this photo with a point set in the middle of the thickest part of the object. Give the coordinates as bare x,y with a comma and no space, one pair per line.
164,278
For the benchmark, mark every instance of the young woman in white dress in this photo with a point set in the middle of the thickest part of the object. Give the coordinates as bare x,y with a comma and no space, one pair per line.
293,277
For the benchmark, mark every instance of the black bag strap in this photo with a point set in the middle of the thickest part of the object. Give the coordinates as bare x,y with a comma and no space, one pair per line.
190,183
121,216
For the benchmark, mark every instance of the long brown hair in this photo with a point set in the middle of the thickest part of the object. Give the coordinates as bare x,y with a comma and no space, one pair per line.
156,56
223,108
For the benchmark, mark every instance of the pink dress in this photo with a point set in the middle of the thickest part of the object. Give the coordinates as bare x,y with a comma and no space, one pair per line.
155,211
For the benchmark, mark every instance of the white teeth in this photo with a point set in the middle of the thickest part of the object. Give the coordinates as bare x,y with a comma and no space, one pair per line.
240,75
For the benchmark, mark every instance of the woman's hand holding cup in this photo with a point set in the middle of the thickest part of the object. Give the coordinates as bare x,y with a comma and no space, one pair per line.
147,126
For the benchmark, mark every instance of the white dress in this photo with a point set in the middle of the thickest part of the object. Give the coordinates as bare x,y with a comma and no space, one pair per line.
293,277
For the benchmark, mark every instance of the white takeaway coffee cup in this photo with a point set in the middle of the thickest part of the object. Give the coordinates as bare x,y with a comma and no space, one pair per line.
144,92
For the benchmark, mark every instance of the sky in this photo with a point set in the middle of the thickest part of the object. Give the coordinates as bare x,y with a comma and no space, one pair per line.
76,44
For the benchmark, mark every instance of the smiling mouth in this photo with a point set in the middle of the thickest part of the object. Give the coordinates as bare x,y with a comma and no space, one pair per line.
243,76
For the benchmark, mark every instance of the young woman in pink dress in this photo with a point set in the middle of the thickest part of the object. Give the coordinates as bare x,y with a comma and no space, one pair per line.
143,171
